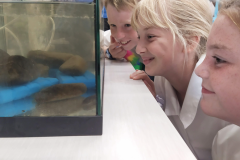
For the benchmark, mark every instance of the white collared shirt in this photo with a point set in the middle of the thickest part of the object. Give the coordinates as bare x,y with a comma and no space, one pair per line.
196,128
226,145
190,103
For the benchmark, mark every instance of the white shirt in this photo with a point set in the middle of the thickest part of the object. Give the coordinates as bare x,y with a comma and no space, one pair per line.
107,40
197,129
226,145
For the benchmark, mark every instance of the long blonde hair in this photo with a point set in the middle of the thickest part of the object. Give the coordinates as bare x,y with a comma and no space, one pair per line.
184,18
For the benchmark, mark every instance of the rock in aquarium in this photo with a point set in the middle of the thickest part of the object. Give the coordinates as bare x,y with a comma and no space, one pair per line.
18,70
60,92
51,59
59,108
43,70
74,66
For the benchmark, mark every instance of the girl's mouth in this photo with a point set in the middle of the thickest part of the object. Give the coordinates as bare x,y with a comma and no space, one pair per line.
204,90
147,60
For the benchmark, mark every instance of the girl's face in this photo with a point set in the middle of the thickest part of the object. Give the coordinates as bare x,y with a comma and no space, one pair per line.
120,26
220,72
155,46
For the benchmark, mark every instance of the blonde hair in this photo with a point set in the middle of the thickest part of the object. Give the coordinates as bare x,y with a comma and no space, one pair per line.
184,18
122,4
231,8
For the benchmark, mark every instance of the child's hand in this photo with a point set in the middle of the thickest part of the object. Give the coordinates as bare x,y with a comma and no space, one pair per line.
116,49
138,74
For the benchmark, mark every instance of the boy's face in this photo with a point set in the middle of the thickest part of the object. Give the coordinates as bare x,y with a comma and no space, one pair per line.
120,26
220,71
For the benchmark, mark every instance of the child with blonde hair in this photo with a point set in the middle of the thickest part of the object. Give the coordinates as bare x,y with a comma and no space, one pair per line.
123,36
220,72
172,40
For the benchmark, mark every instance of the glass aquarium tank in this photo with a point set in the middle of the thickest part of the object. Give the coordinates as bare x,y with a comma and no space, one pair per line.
51,68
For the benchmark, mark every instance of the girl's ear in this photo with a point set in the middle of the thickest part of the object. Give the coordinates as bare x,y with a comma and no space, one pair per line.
193,43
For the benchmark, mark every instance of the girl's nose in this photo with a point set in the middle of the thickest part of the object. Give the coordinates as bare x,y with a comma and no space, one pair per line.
140,49
202,71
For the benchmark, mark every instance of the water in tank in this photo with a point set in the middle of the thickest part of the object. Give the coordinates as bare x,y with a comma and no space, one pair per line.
47,58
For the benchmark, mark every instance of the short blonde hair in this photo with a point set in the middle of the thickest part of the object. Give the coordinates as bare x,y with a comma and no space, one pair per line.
122,4
184,18
231,8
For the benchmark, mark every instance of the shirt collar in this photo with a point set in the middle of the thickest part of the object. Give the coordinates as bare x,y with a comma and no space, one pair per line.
192,98
191,101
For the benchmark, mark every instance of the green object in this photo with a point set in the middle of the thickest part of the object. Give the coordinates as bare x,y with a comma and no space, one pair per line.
139,66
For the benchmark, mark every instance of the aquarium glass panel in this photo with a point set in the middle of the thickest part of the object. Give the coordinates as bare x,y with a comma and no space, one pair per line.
50,58
100,55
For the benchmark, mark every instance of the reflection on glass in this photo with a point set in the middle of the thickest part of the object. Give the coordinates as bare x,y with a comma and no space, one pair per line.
47,59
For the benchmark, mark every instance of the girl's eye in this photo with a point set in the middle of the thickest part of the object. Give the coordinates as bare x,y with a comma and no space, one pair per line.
149,37
112,25
127,25
218,60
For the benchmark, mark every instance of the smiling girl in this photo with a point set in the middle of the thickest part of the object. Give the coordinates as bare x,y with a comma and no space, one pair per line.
172,41
220,72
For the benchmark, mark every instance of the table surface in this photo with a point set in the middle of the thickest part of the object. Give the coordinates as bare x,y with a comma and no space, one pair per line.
134,128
